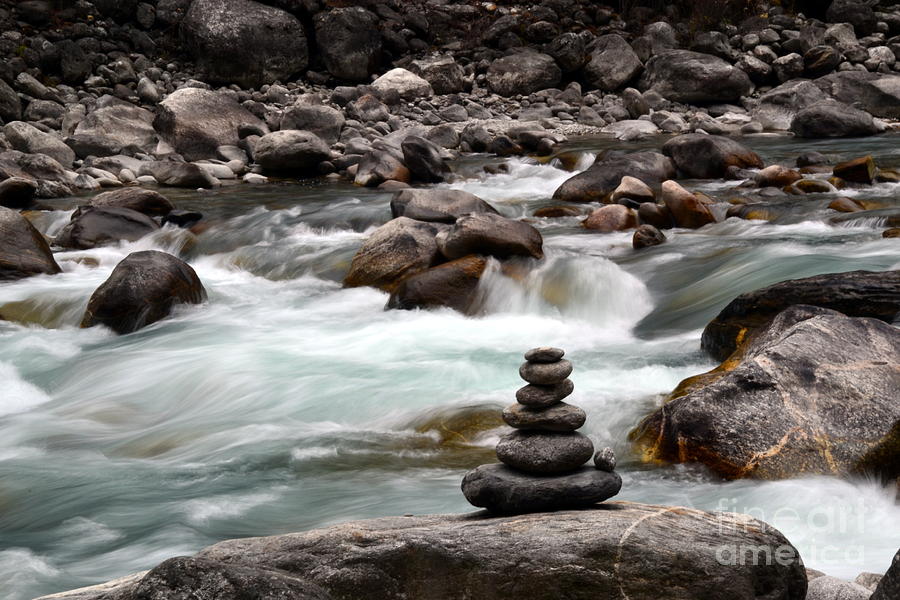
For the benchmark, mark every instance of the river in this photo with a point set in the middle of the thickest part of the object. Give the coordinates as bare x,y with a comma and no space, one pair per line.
287,402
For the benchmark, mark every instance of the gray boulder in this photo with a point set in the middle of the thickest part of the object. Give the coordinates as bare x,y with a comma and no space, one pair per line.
876,93
143,289
603,177
244,42
142,200
23,250
685,76
437,205
491,235
349,42
31,140
833,120
523,73
832,588
323,121
424,160
856,12
10,105
612,63
92,226
777,108
17,192
195,122
445,75
814,393
709,156
290,152
118,126
544,453
405,84
397,249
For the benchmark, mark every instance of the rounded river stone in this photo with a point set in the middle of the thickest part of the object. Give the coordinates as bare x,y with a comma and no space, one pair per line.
544,453
559,417
545,373
501,489
605,460
544,354
542,396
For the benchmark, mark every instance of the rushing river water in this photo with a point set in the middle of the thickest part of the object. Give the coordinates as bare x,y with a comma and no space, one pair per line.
287,403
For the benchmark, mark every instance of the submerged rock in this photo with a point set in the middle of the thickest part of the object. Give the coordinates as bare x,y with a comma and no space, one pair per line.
709,156
857,294
452,285
646,236
687,209
143,289
23,250
814,393
93,226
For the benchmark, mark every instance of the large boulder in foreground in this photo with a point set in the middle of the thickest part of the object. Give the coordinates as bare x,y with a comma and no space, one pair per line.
523,73
491,235
451,285
437,205
93,226
23,250
195,122
833,120
603,177
617,550
143,289
701,156
397,249
244,42
349,42
857,294
815,393
695,78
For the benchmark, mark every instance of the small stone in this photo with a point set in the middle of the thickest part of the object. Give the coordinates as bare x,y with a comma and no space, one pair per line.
545,373
646,236
559,417
542,396
544,354
605,460
544,453
858,170
501,489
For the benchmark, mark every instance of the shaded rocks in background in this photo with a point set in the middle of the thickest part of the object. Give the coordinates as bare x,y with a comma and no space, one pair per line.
290,152
613,63
709,156
685,76
523,73
349,42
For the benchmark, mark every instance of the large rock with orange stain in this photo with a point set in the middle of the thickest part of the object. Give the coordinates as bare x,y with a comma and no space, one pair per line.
452,285
814,393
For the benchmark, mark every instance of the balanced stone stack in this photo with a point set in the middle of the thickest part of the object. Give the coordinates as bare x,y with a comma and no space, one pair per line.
542,464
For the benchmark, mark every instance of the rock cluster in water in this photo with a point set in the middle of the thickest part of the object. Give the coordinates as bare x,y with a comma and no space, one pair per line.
542,462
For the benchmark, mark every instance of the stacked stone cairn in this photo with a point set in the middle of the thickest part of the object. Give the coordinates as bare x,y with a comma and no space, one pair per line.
542,463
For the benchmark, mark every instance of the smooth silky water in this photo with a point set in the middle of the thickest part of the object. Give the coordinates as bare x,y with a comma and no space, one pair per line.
287,403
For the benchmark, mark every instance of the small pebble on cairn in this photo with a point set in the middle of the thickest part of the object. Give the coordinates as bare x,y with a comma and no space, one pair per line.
542,463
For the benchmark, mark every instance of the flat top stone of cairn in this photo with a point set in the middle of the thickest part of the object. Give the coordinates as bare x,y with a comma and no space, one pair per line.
544,354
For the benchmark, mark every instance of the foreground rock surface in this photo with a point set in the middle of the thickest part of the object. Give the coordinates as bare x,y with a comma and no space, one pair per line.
141,290
815,393
618,548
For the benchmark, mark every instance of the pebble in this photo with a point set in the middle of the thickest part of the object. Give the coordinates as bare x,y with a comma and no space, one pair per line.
559,417
542,396
544,354
545,373
544,453
605,460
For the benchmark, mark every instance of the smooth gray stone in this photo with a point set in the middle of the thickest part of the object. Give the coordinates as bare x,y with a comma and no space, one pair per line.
544,453
545,373
542,396
544,354
559,417
501,489
605,460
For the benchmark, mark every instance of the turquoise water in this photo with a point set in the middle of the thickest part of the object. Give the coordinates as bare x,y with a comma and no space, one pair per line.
287,403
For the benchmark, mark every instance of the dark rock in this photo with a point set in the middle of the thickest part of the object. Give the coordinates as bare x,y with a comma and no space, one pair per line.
452,285
10,105
832,119
691,77
491,235
545,354
875,93
605,460
559,417
777,108
819,61
177,174
647,236
808,159
323,121
545,373
182,218
23,250
712,42
856,294
195,122
542,396
143,289
612,63
604,176
523,73
569,51
443,73
856,12
184,577
556,212
423,159
544,453
397,249
244,42
889,586
687,209
17,192
708,156
368,108
349,42
612,217
857,170
290,152
657,215
814,393
96,226
437,205
501,489
142,200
